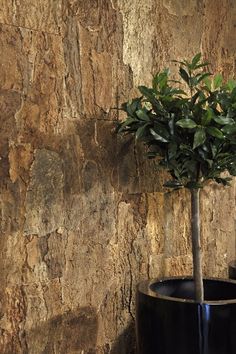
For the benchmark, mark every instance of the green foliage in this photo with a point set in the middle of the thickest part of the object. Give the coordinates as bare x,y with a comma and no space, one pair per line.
191,131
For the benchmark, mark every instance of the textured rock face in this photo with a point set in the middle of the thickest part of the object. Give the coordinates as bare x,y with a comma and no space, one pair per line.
83,219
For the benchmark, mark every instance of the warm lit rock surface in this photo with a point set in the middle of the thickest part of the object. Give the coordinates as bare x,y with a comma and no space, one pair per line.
82,218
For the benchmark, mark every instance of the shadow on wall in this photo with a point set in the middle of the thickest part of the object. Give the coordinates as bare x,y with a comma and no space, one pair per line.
125,343
76,332
72,332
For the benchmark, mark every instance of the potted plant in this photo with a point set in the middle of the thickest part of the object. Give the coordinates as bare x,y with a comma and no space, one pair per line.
189,127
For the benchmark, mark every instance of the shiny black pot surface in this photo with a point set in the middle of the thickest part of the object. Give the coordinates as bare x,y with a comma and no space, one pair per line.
168,321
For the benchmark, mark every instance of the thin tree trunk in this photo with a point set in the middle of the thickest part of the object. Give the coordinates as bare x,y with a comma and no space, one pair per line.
196,245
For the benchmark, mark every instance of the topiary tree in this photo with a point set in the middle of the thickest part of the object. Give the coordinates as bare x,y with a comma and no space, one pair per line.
189,127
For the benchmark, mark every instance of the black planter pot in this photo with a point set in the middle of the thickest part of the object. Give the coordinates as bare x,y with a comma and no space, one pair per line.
168,321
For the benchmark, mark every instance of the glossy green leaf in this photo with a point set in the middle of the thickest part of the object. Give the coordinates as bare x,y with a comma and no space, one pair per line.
203,77
194,98
173,184
158,137
142,115
207,117
172,149
132,106
223,120
199,137
217,81
213,150
202,65
193,81
233,94
215,132
141,131
147,92
163,80
186,123
183,73
171,124
185,147
210,162
231,84
178,92
123,125
150,95
195,60
179,62
155,81
208,82
160,80
160,129
229,129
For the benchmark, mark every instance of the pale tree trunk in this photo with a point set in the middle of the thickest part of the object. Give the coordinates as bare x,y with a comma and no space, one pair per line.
196,245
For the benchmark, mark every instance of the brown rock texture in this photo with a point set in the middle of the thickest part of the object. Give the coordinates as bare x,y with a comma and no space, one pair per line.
83,218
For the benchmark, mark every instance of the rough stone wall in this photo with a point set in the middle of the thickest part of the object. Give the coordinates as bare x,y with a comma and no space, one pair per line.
82,217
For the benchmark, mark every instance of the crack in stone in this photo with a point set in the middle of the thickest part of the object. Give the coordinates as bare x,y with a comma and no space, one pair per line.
30,29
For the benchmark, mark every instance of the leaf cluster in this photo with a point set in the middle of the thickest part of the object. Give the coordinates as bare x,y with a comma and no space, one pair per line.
188,126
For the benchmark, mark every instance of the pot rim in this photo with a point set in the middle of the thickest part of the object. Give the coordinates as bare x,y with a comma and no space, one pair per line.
144,287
